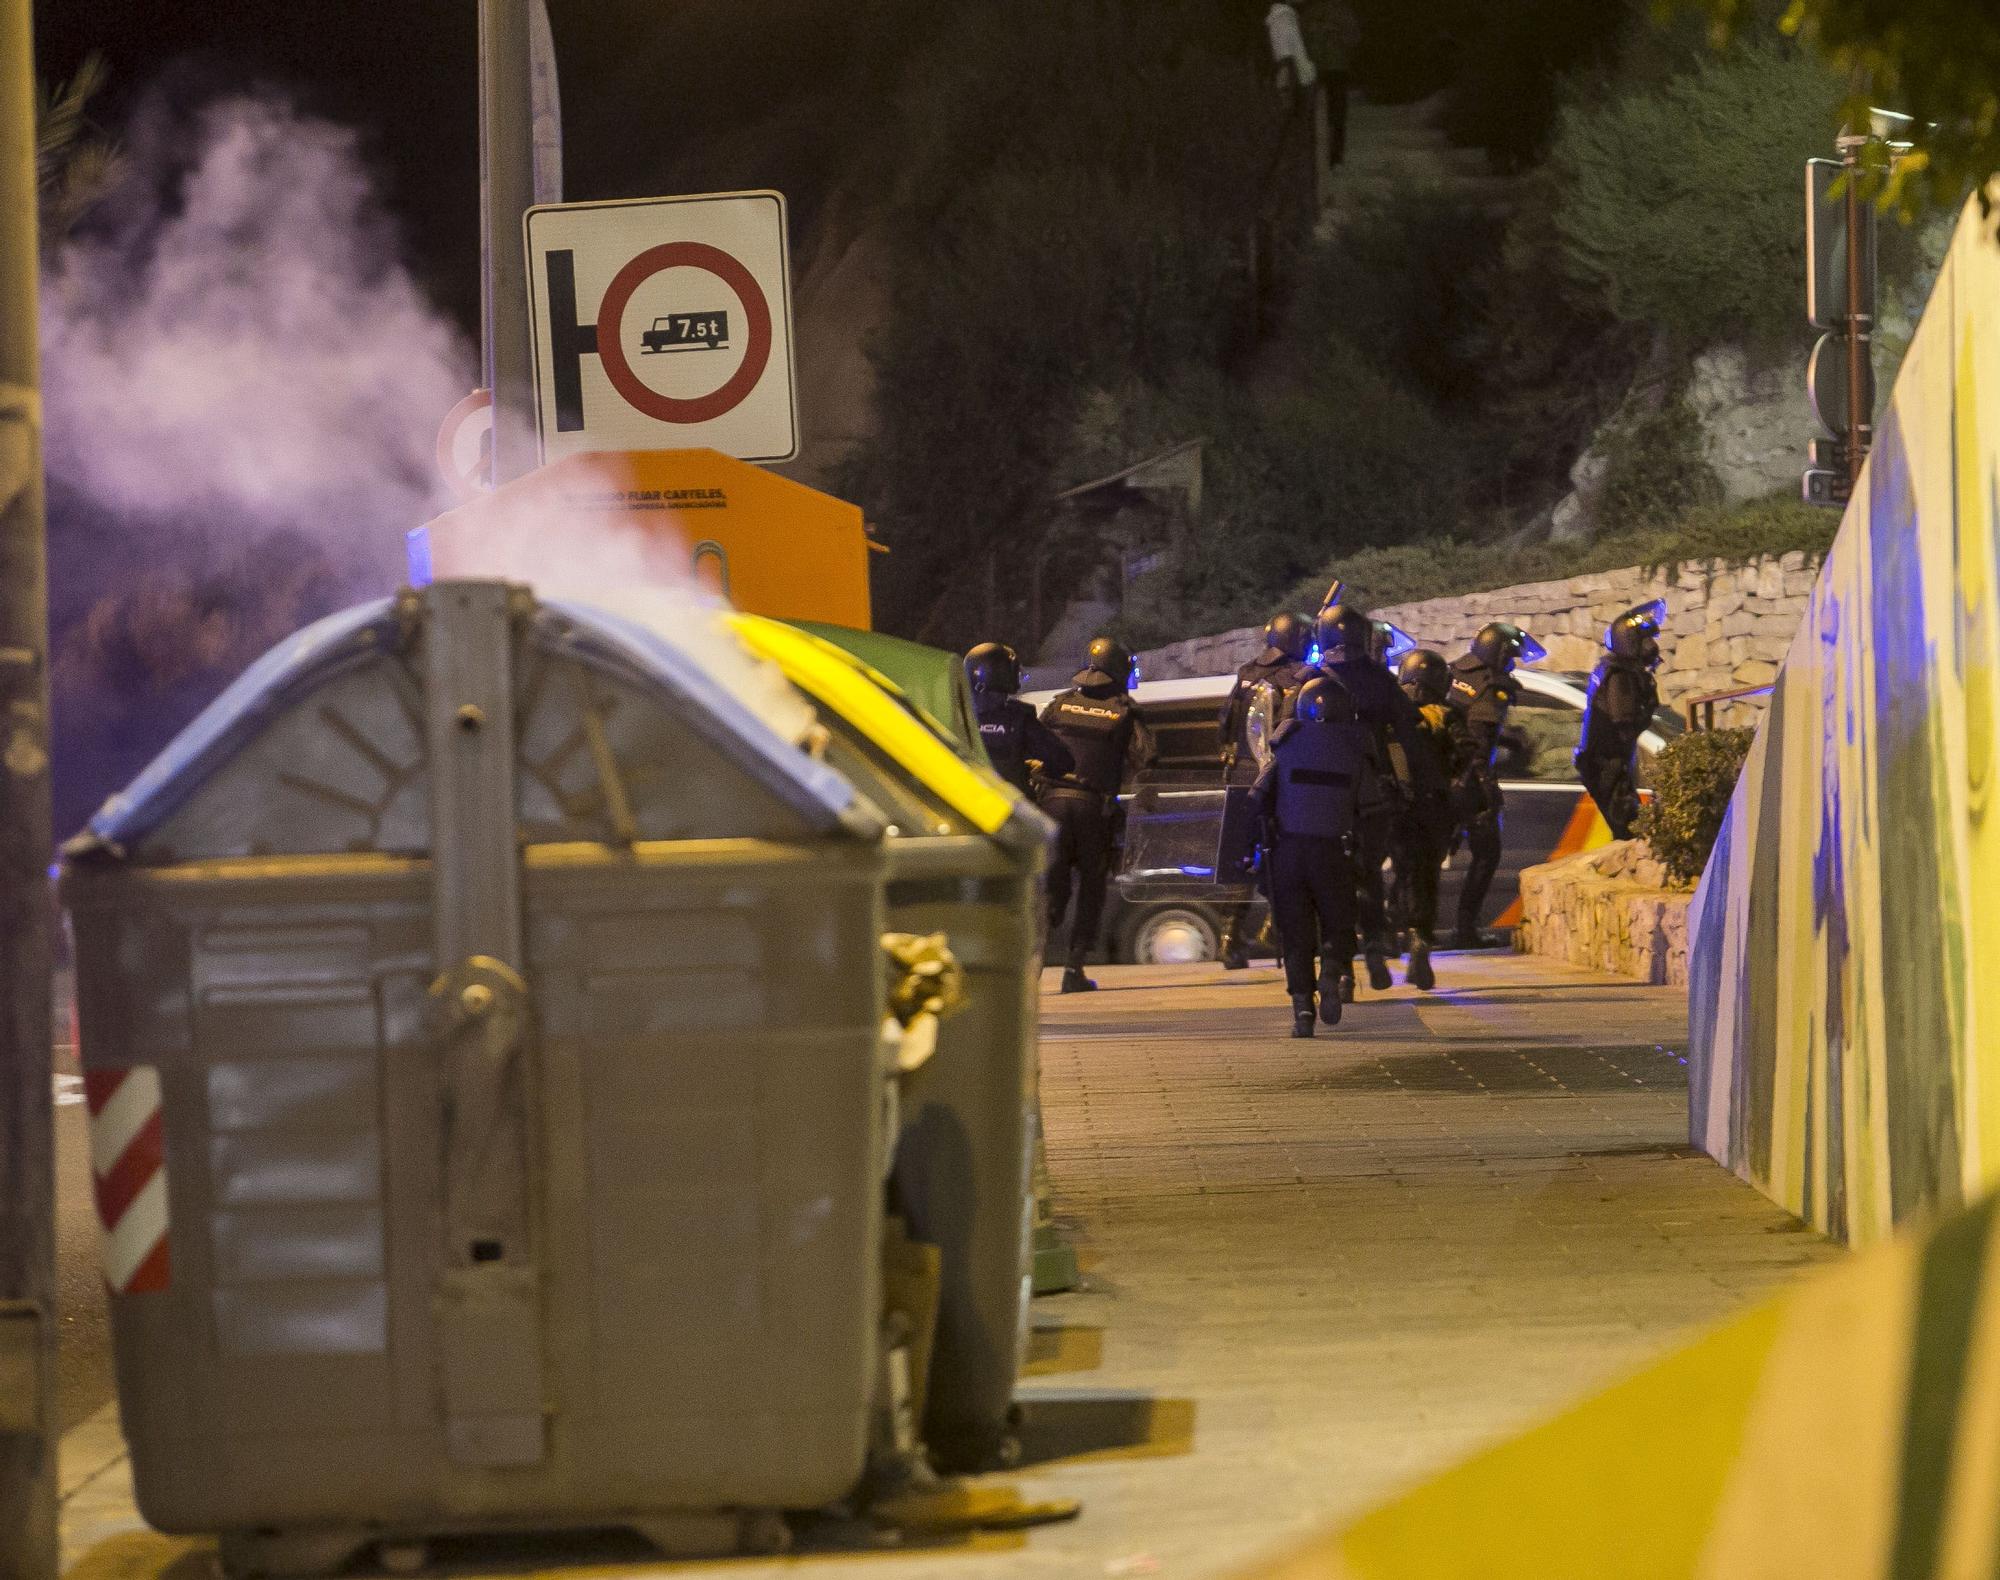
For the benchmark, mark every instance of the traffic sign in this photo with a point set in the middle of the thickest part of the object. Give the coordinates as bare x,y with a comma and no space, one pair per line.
1826,382
465,445
663,323
1826,248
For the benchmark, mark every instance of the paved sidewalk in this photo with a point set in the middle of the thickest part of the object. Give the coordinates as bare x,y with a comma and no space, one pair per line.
1316,1270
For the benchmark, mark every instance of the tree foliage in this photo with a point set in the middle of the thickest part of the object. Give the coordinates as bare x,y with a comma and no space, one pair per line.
75,164
1680,202
1063,229
1937,60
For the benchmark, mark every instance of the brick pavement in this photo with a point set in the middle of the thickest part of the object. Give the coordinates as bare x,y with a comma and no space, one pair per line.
1318,1269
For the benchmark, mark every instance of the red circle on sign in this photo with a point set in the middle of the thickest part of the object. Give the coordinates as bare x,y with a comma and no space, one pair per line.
464,485
611,316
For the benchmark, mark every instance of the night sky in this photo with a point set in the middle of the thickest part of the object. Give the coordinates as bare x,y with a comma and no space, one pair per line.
641,117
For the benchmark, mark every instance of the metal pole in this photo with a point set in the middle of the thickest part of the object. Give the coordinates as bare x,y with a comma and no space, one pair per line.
27,1116
507,189
1859,415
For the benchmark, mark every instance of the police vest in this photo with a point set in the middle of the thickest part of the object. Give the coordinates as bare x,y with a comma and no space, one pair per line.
1097,730
1319,777
1003,732
1483,696
1283,678
1618,714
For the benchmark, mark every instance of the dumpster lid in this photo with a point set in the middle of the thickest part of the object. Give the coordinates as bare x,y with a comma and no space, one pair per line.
304,661
733,719
838,680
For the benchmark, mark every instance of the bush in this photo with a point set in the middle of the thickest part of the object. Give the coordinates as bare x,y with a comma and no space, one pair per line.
1655,472
1693,780
1681,204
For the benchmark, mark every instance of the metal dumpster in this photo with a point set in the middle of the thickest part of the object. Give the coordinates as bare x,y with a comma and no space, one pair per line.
967,862
480,1009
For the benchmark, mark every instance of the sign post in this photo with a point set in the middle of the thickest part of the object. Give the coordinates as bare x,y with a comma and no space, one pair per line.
27,1118
663,323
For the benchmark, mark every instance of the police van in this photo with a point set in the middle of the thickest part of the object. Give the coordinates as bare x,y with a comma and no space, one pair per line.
1169,905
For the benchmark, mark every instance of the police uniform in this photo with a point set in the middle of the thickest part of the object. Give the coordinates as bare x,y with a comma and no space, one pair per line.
1482,693
1107,738
1277,673
1623,698
1014,738
1284,675
1423,829
1308,794
1396,773
1382,795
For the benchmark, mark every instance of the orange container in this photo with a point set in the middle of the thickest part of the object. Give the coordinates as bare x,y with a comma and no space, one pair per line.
771,546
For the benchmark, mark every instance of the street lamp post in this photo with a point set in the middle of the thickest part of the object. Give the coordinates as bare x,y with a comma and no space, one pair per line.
27,1119
507,189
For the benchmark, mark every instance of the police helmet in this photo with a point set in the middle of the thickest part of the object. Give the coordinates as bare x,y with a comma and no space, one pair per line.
1388,642
1424,676
1343,634
1502,645
1289,635
994,668
1311,703
1108,659
1636,632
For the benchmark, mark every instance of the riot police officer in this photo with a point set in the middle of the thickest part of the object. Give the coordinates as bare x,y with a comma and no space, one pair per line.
1107,737
1422,834
1016,741
1306,797
1395,771
1483,689
1264,689
1279,671
1623,696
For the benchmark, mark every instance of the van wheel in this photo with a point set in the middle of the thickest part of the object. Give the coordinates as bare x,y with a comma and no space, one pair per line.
1172,935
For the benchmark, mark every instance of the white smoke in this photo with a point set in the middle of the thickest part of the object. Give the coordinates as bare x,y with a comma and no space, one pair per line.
234,350
236,342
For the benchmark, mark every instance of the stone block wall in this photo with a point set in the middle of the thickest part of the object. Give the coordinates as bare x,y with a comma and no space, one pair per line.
1729,625
1610,909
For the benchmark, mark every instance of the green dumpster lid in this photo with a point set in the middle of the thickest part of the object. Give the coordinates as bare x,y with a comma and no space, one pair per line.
929,676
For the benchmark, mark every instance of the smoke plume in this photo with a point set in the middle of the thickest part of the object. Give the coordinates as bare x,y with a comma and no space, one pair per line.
242,386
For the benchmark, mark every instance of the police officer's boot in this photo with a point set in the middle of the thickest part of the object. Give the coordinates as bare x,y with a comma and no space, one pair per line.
1336,987
1074,981
1418,972
1302,1014
1234,956
1378,969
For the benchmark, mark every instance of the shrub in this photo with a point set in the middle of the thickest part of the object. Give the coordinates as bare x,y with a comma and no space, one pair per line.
1681,204
1693,780
1655,471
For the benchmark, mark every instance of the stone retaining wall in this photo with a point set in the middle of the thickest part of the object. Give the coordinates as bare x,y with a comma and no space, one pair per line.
1728,625
1609,909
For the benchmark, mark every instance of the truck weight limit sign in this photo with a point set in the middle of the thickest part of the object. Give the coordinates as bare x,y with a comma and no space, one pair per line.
664,324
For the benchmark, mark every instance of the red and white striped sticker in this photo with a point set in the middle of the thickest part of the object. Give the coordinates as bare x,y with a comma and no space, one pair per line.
128,1156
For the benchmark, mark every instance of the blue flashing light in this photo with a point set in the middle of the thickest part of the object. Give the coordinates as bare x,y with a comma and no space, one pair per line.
1313,655
1198,872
